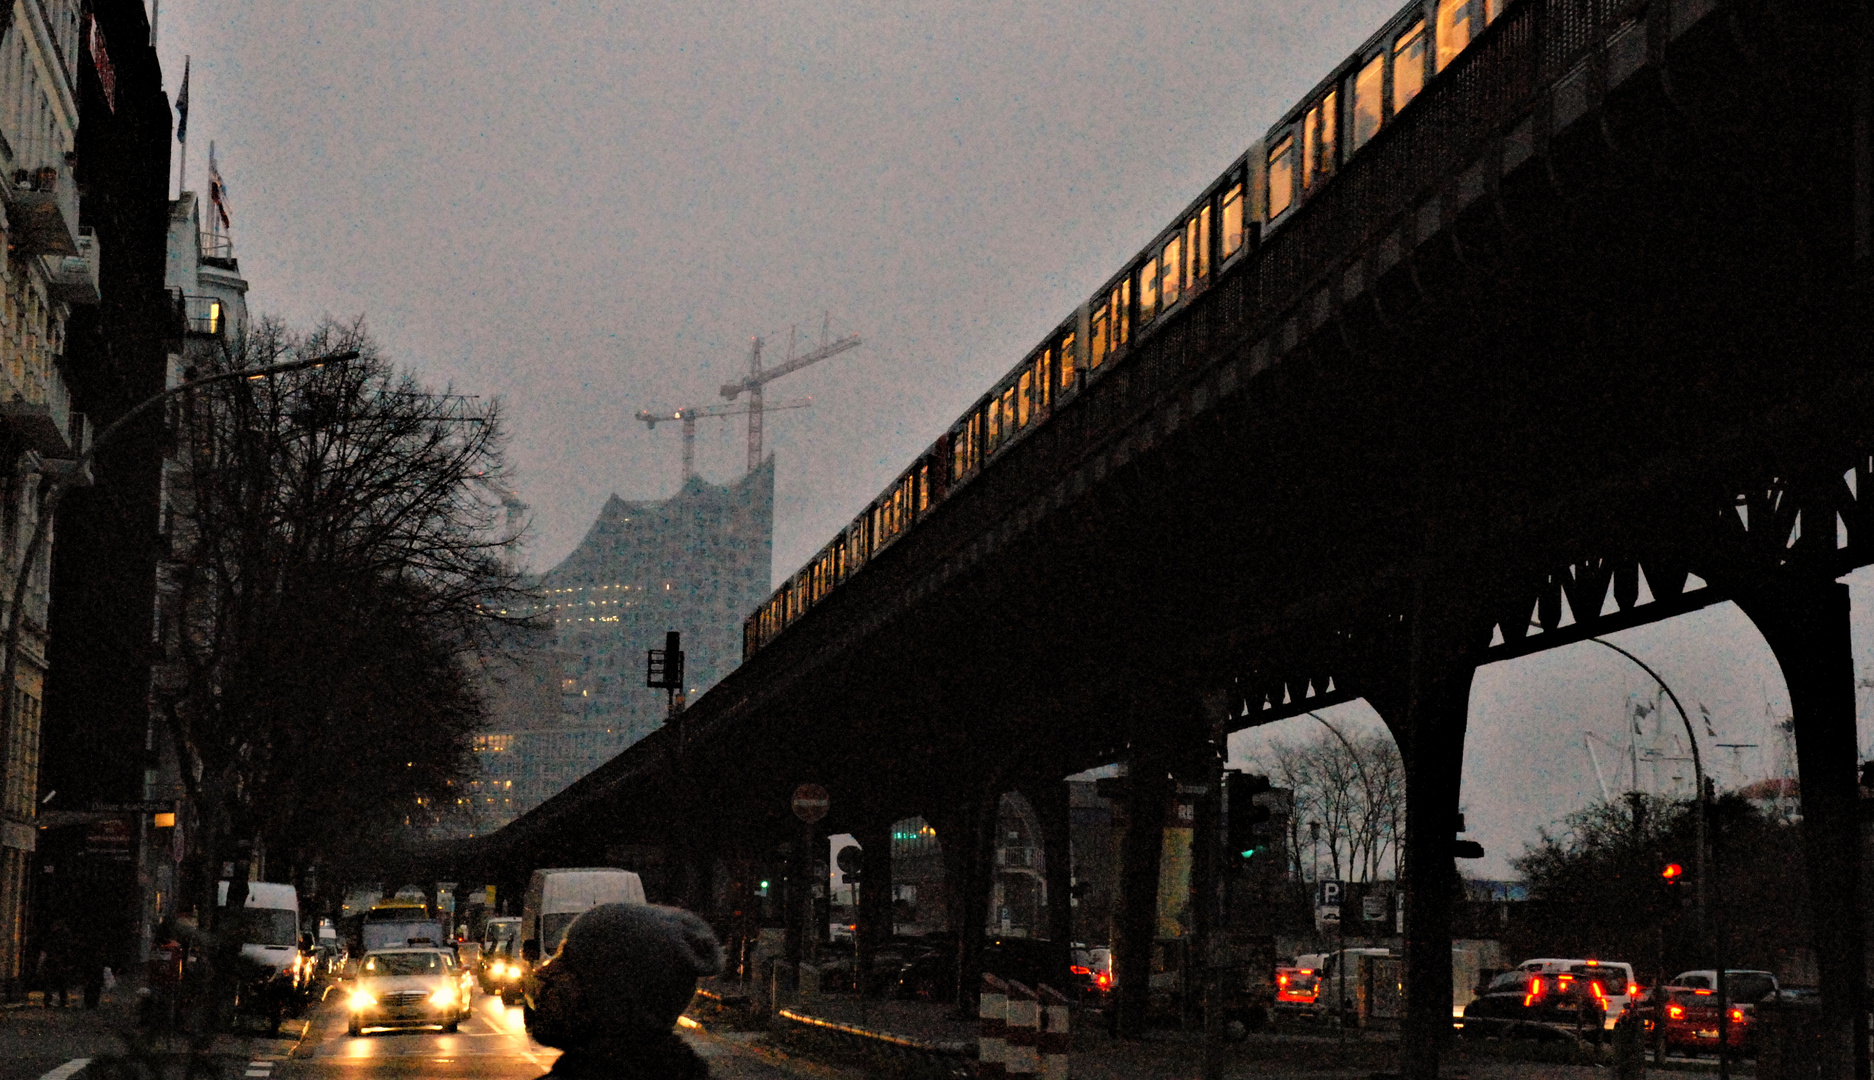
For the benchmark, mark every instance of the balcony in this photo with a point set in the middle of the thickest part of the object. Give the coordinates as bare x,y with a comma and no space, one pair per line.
215,247
205,316
74,278
45,426
42,211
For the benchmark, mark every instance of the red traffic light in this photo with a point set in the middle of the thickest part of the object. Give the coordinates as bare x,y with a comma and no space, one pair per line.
1672,872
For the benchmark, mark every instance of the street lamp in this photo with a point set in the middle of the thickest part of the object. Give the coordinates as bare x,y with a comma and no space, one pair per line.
55,486
1698,774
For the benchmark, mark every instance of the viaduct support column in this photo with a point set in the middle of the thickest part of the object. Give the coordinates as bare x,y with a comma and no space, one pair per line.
1805,622
1426,703
875,919
1148,788
1050,801
967,837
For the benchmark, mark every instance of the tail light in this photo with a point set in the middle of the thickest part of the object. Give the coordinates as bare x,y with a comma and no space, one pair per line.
1633,990
1078,970
1534,993
1737,1016
1675,1012
1282,979
1599,994
1105,979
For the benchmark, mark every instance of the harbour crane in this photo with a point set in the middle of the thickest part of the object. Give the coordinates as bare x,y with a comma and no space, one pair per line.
690,414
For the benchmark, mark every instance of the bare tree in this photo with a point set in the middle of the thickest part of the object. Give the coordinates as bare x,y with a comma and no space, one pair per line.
1354,786
337,559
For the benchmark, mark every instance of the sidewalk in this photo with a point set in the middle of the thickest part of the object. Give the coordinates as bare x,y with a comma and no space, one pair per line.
1179,1055
36,1040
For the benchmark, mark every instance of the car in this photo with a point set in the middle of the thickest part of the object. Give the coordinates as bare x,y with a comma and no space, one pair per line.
1091,967
1538,1005
1615,978
496,963
1690,1019
411,987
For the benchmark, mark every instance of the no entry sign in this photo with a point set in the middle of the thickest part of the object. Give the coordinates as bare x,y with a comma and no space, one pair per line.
810,803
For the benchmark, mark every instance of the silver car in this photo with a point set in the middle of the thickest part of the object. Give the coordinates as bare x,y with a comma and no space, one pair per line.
408,988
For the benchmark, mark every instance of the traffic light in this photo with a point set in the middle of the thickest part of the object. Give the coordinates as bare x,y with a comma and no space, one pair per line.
1248,832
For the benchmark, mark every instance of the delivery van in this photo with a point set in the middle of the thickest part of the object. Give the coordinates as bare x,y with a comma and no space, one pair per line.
554,899
268,928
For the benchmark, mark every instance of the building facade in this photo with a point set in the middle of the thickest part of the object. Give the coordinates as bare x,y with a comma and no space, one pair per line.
51,269
95,763
574,697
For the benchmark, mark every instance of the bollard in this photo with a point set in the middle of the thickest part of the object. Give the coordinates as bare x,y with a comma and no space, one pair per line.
1021,1057
1056,1037
992,1010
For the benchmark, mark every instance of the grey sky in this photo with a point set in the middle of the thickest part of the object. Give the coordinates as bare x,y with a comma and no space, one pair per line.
587,209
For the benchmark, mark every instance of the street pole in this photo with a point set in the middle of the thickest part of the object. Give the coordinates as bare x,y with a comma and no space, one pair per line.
1698,775
53,491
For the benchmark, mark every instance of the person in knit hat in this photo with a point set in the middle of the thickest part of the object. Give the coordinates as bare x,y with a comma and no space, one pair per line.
610,998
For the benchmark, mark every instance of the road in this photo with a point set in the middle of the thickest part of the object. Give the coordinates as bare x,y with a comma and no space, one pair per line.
491,1045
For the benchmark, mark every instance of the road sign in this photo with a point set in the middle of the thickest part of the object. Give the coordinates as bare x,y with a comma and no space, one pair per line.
810,803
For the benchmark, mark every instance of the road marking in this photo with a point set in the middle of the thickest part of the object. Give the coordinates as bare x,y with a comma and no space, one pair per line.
67,1070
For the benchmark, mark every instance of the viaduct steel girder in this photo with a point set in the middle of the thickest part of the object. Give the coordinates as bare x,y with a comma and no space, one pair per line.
1601,290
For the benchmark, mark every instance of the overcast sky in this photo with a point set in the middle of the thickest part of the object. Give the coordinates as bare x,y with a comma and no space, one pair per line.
588,209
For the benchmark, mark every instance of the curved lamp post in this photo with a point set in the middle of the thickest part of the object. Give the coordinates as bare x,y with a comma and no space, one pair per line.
56,485
1698,774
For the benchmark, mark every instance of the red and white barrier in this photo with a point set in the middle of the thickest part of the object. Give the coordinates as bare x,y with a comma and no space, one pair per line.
1022,1055
1056,1039
992,1010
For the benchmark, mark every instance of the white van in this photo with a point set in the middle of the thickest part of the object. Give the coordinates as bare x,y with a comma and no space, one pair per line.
556,897
1615,978
270,925
268,928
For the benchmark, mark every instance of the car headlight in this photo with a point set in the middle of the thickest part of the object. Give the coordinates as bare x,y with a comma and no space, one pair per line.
362,1000
443,997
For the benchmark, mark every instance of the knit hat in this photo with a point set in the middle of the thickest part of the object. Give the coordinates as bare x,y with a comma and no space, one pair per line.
623,970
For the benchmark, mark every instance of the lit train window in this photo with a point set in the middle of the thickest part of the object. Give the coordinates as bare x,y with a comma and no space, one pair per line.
1096,334
1009,425
1454,29
1197,244
1044,380
1122,314
1024,399
1171,267
1317,139
1064,362
1408,66
1369,95
923,488
1492,8
1148,290
1281,176
1232,218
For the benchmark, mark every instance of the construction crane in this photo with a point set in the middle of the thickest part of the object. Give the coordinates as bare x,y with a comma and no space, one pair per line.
757,378
515,508
690,414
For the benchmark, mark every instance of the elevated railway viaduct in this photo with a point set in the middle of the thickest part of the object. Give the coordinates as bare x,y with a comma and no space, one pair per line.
1578,341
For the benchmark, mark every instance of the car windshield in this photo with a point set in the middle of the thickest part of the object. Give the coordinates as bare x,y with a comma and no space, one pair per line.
387,964
1509,980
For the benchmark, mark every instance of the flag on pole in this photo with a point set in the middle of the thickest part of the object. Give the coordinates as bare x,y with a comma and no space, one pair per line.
217,190
182,105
